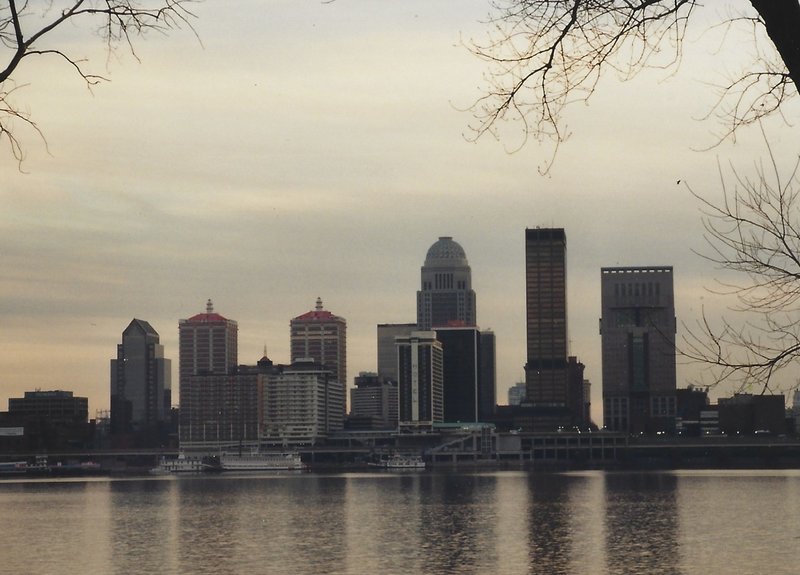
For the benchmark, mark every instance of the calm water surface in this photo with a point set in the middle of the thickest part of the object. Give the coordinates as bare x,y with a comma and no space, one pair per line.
707,523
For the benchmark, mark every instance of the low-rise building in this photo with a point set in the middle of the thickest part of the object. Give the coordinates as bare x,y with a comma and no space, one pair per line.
374,397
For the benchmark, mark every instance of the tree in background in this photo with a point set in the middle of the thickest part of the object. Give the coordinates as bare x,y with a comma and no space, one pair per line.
546,54
26,29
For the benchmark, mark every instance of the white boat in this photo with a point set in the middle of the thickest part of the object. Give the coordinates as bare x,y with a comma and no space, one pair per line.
260,461
13,467
401,462
181,464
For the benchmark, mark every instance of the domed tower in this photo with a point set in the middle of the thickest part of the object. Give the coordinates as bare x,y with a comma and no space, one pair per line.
445,296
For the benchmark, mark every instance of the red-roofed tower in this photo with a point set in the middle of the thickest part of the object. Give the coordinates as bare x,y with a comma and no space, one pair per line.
320,335
208,344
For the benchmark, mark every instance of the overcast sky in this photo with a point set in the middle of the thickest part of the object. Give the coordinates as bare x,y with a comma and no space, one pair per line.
317,149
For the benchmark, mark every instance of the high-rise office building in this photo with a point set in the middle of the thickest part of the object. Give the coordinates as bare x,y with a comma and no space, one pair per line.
546,317
446,294
208,345
468,373
387,348
140,387
322,336
461,372
419,367
637,330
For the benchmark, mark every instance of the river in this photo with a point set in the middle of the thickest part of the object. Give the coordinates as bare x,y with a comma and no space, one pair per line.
505,522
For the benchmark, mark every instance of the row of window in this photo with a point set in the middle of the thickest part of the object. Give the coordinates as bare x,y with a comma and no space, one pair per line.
637,289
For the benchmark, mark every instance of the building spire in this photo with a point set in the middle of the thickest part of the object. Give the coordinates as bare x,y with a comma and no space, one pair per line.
319,303
209,306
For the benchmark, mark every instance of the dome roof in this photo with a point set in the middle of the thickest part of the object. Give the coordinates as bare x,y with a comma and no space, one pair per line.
446,252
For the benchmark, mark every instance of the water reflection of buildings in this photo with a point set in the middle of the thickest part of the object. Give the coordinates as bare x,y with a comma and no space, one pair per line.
549,528
642,523
453,523
565,527
141,529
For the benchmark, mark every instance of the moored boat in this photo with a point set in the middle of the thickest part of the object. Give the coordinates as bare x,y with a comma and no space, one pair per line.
261,461
181,464
398,461
13,467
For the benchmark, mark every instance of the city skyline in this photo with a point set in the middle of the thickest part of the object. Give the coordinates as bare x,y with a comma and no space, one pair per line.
323,158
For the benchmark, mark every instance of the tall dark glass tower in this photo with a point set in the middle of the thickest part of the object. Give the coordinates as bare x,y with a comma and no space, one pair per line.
546,317
445,296
140,386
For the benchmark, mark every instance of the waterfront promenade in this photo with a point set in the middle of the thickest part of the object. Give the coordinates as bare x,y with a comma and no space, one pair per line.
495,450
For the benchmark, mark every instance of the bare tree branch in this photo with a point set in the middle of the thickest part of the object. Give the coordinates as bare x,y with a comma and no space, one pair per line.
754,230
25,27
543,55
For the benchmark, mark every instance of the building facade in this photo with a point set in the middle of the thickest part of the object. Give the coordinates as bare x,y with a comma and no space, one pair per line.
516,393
321,336
208,345
375,397
637,330
487,386
546,378
59,407
140,388
301,404
44,421
387,348
420,379
445,294
579,394
461,373
222,411
747,414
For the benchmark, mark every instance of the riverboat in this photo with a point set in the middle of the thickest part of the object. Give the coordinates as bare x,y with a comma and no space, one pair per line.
260,461
398,461
181,464
13,467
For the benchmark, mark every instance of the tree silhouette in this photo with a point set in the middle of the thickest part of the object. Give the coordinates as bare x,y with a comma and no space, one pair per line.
543,55
753,230
26,29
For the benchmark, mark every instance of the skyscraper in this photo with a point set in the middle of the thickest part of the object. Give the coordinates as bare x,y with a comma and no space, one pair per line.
637,330
546,317
419,364
140,386
322,336
446,294
208,345
461,372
